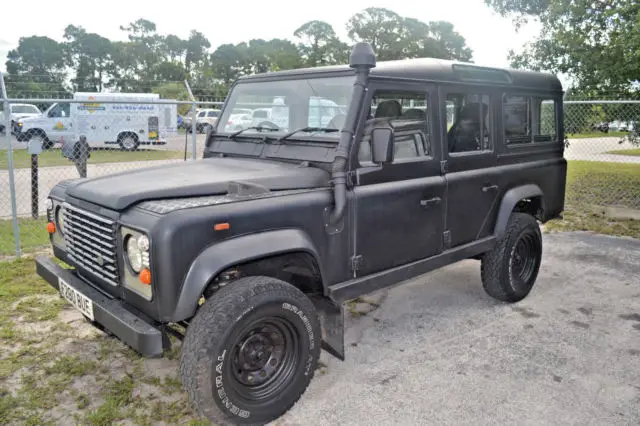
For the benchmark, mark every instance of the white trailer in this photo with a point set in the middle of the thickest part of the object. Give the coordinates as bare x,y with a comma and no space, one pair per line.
137,120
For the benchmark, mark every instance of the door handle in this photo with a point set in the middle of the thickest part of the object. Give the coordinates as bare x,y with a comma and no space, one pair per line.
488,188
430,202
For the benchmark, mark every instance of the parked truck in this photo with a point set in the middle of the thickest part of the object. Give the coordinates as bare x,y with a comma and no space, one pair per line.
137,120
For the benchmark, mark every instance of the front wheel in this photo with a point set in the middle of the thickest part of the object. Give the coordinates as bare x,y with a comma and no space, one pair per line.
509,271
250,351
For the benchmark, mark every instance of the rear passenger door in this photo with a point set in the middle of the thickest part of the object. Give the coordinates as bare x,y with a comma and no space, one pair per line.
398,207
473,184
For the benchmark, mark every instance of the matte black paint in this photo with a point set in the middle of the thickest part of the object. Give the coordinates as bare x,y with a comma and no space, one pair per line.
138,332
191,179
400,220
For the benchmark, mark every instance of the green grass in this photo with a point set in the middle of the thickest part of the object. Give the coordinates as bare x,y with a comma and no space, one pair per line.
604,184
596,135
33,235
53,157
585,221
635,152
48,370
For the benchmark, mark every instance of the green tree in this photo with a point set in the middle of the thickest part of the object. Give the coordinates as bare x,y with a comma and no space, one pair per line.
36,68
395,37
196,49
89,55
381,27
319,44
597,43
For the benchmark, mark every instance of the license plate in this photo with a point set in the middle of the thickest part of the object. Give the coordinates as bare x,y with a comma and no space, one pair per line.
77,299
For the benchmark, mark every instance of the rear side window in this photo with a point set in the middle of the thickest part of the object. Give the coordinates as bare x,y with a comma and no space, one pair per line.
529,119
212,114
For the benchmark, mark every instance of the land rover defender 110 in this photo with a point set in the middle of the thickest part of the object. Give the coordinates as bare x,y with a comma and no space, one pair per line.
254,248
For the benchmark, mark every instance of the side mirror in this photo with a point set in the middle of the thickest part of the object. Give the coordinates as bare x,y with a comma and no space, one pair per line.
382,145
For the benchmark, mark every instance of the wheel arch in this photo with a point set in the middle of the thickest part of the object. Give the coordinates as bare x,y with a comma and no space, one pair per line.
526,198
243,250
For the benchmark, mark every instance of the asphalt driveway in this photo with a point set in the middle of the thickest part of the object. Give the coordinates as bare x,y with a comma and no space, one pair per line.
439,351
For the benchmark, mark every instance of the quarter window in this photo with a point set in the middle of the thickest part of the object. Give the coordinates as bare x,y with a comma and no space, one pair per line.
529,119
468,123
407,114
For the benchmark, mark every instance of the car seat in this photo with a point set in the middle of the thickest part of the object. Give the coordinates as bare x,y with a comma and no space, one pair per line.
464,135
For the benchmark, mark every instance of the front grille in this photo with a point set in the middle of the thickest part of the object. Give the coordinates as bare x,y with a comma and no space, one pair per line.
90,241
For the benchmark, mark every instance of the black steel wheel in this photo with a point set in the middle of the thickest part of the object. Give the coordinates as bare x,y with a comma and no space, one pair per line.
250,351
510,270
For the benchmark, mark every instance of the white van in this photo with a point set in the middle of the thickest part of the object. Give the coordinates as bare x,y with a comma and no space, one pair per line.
127,124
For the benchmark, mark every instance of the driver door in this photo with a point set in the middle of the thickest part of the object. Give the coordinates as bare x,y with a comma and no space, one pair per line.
399,207
60,123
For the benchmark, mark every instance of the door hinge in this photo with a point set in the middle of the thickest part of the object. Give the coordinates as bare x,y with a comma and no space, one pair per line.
444,167
446,239
356,262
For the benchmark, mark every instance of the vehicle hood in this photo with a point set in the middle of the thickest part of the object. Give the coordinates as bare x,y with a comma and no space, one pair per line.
25,116
210,176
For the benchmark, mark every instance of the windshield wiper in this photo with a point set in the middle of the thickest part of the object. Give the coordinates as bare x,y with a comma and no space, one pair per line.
305,129
259,128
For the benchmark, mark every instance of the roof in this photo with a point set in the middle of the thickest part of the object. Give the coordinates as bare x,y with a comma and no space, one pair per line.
431,69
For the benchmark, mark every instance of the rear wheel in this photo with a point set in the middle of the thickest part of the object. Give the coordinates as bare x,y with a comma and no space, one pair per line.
510,270
250,351
128,141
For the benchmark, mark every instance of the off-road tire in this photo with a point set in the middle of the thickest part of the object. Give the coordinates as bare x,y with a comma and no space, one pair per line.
500,266
208,350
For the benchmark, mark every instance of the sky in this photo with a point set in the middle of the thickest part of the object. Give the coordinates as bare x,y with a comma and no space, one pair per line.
489,35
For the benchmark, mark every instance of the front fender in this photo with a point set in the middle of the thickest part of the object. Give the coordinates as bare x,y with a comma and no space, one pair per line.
509,201
220,256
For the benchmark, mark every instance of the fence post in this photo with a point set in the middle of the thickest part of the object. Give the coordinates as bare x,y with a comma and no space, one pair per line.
194,154
194,132
12,185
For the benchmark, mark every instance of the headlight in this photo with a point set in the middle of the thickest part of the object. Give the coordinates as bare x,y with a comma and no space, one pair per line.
48,204
60,219
134,253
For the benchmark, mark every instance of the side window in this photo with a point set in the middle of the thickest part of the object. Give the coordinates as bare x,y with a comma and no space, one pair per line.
407,114
60,111
528,119
548,129
202,113
468,123
212,114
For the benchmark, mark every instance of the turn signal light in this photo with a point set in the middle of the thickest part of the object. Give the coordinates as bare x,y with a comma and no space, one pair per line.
221,226
51,227
145,276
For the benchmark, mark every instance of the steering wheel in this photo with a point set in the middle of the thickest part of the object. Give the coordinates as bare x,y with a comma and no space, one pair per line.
267,123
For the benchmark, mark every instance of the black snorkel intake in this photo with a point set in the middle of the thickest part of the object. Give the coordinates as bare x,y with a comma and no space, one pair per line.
362,59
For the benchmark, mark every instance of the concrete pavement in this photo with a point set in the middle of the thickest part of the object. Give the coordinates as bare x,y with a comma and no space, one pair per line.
439,351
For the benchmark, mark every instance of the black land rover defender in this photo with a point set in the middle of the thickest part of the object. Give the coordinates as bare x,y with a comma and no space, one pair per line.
352,179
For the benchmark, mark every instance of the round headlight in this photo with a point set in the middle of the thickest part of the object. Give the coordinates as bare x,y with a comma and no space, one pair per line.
143,243
60,219
48,204
134,254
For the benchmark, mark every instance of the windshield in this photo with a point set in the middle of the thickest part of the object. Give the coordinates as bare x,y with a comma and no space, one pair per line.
287,105
24,109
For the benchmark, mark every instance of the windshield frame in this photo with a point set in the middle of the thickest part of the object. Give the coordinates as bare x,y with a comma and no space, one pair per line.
233,103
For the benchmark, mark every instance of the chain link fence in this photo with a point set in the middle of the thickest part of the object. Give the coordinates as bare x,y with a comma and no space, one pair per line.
128,131
603,150
120,132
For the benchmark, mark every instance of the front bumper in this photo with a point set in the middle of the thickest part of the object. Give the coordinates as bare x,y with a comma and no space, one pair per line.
133,329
